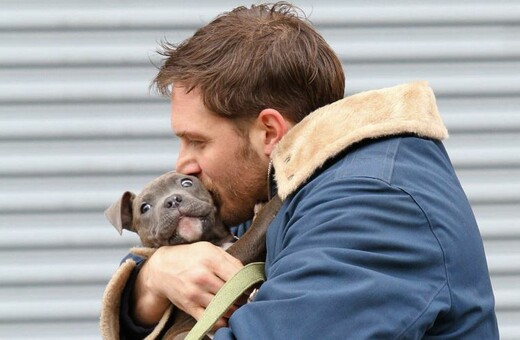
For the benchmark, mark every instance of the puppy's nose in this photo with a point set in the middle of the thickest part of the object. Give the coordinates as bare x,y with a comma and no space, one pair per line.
173,201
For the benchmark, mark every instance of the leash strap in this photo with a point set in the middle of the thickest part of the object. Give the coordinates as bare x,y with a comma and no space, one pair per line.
226,296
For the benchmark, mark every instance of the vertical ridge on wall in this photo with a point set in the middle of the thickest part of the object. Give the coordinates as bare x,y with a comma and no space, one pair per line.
78,126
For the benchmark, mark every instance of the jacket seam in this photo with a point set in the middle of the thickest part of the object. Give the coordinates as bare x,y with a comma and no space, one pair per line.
446,276
424,310
395,150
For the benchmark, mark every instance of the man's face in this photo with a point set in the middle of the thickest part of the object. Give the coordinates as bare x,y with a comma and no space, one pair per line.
223,159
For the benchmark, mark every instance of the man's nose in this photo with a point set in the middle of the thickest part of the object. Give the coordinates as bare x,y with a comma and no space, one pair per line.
187,165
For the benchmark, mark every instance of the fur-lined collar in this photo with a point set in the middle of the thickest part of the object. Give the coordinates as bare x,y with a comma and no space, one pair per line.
408,108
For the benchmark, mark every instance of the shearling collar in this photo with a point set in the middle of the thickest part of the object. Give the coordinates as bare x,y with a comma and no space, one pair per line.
407,108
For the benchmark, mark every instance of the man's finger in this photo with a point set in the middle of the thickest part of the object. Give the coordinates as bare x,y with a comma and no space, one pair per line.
228,267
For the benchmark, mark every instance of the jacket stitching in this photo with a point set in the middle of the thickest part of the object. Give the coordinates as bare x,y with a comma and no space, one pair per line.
446,282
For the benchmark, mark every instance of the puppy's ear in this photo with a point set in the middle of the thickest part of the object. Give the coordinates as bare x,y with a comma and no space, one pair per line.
120,213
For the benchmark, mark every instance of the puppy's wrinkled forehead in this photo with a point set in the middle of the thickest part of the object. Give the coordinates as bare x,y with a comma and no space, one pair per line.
172,182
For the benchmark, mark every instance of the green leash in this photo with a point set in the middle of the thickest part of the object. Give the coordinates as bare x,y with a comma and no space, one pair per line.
226,296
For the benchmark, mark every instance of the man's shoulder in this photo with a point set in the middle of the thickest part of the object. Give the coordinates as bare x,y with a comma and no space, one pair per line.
370,158
381,158
398,162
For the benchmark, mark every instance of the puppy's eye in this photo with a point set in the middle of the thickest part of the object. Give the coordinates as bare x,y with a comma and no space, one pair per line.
186,182
145,207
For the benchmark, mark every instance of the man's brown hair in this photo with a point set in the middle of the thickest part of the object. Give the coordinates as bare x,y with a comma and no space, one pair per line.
249,59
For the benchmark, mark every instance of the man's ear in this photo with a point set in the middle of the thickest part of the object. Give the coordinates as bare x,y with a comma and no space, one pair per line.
273,127
120,213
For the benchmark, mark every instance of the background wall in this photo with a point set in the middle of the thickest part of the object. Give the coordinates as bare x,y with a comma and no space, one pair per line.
78,127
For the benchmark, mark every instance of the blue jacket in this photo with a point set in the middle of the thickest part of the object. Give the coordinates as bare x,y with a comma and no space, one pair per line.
376,238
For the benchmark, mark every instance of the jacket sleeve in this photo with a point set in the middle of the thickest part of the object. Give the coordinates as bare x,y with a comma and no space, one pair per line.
351,258
115,320
128,328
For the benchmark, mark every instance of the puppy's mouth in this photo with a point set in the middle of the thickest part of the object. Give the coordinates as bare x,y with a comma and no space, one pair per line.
189,228
183,228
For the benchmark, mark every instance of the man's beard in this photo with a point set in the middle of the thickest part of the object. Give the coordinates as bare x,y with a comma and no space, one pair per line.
244,185
241,188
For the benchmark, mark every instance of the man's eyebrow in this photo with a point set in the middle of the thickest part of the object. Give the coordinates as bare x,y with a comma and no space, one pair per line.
190,135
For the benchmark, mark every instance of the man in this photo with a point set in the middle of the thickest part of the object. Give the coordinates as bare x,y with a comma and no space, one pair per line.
375,238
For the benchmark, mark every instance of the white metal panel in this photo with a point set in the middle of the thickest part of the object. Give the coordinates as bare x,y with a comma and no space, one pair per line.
78,126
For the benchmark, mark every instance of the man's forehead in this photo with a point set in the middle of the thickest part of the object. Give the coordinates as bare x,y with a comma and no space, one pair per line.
180,89
191,121
184,102
186,105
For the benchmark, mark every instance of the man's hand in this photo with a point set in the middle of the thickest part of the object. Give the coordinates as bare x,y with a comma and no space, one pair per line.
187,275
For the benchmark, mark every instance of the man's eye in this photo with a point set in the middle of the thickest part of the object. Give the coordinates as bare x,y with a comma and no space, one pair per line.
145,207
186,182
196,143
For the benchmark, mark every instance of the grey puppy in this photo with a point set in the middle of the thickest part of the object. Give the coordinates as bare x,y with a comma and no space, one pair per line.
176,209
172,209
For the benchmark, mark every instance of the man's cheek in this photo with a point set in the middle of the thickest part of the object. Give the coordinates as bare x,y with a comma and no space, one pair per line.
215,193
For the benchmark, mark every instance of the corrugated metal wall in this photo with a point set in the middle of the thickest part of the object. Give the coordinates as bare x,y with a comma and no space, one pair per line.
78,127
